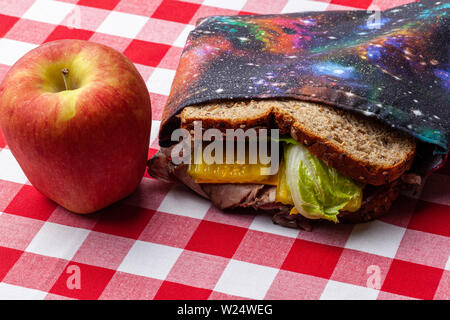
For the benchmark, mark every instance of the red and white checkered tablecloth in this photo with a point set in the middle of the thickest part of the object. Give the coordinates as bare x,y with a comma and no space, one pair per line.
165,242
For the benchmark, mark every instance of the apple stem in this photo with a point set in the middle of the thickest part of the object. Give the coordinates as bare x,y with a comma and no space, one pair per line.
65,72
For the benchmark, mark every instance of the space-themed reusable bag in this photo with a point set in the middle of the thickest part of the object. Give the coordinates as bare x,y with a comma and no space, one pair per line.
391,65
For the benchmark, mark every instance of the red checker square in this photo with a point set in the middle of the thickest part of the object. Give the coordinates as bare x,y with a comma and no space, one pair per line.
143,8
86,18
443,291
35,271
17,232
176,11
169,229
92,281
312,258
171,58
146,53
151,152
264,6
149,194
216,239
175,291
295,286
2,140
8,191
263,248
197,269
15,8
160,31
103,250
158,103
223,296
62,32
8,258
116,42
359,268
387,4
412,280
104,4
7,23
123,220
206,11
239,217
246,13
125,286
31,203
67,218
30,31
361,4
424,248
431,217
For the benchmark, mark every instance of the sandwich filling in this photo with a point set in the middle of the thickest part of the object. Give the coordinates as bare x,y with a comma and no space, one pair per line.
317,190
303,182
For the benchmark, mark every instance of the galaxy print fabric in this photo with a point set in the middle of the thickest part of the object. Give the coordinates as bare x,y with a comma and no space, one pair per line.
392,65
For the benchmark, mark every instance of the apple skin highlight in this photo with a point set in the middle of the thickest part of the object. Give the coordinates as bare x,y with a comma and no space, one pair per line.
84,148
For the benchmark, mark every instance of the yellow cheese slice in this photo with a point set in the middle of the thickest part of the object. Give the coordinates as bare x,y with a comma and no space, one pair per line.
232,173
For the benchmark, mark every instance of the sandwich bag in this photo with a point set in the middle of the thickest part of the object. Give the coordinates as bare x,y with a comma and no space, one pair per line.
389,65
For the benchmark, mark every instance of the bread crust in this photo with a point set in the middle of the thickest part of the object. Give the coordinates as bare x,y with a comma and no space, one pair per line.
375,204
336,158
332,155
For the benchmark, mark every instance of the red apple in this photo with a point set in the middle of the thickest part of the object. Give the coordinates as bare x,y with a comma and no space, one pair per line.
76,116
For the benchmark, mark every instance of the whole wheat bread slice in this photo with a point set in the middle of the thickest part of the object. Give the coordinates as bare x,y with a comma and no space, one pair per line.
357,146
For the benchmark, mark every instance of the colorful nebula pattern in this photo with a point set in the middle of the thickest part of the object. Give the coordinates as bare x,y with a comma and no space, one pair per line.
392,65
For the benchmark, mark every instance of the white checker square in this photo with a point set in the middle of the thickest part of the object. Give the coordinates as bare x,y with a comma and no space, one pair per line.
228,4
122,24
150,260
49,11
246,280
10,169
182,201
155,130
376,237
12,292
13,50
264,223
335,290
447,265
160,81
181,40
59,241
304,5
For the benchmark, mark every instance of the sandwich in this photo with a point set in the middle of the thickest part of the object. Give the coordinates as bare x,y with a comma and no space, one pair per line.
335,165
356,114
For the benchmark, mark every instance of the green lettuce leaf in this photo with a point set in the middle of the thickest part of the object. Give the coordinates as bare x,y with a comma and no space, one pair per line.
286,139
318,191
